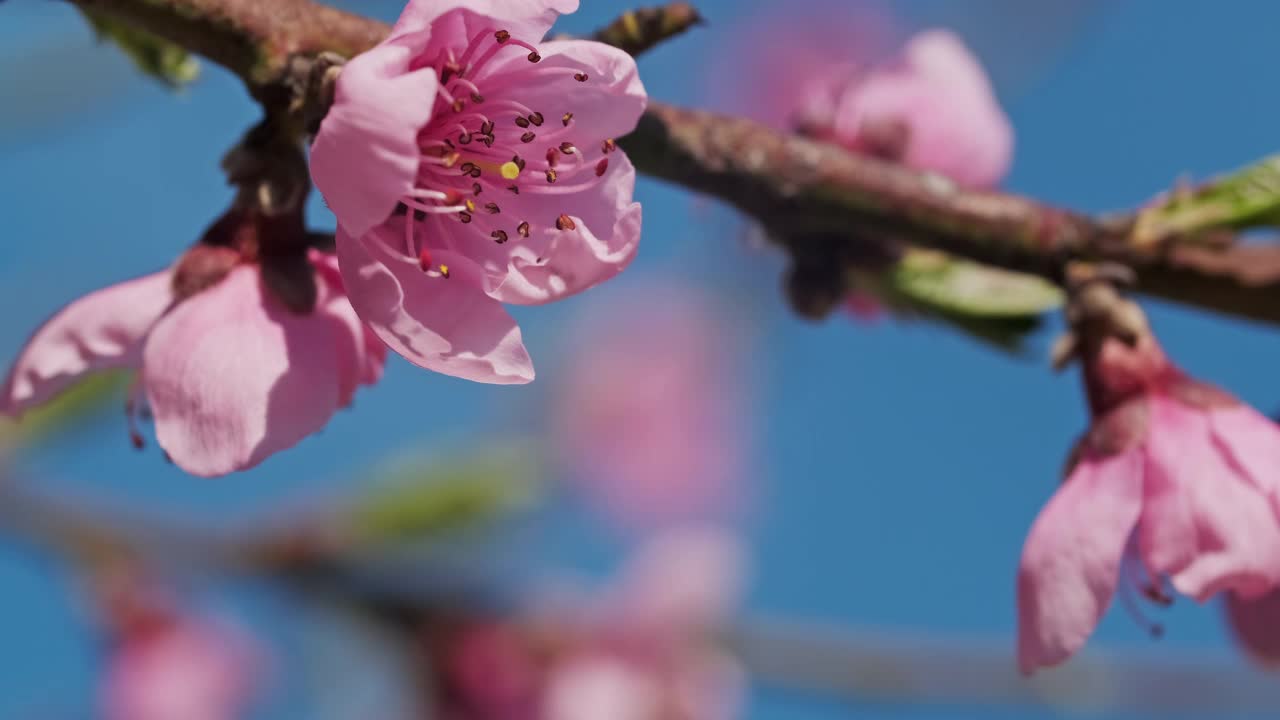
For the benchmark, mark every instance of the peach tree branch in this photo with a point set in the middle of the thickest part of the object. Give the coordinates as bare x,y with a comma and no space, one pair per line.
816,200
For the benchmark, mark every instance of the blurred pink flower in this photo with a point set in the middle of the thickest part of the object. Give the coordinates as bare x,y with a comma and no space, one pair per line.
1175,479
230,374
646,417
181,668
643,650
469,167
1255,622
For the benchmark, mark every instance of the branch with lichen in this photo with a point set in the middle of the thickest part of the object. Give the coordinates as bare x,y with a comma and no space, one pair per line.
816,200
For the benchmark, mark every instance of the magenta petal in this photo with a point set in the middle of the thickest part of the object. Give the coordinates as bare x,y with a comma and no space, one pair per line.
232,377
443,324
1071,560
100,331
365,157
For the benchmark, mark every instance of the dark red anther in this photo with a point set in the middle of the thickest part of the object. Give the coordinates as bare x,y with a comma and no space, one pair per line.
502,36
528,137
536,119
486,128
476,188
424,260
464,138
534,57
519,161
136,439
567,117
492,208
580,77
515,189
499,236
602,166
551,175
522,121
608,146
564,222
477,98
567,148
465,217
523,229
553,156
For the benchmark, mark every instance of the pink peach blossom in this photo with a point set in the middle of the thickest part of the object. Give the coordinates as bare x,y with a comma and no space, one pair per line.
185,668
230,375
469,165
646,419
1175,481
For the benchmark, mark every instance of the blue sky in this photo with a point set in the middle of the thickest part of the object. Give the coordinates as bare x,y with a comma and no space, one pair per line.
898,466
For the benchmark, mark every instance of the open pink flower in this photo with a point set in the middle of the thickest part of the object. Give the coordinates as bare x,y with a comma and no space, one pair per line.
646,417
184,668
469,165
1175,481
230,375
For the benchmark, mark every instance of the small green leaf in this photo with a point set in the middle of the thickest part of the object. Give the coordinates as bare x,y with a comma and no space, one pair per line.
155,56
1247,198
421,498
969,288
86,398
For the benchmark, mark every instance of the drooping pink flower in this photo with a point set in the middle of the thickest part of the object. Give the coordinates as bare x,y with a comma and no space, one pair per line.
1174,482
469,165
646,418
1255,622
181,667
229,373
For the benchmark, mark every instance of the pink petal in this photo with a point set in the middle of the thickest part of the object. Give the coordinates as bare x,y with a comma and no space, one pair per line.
232,377
365,156
1256,625
100,331
956,126
552,264
1205,524
447,325
528,20
1071,560
1252,441
361,355
598,687
683,581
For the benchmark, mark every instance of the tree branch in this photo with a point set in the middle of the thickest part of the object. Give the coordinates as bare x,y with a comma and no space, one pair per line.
796,187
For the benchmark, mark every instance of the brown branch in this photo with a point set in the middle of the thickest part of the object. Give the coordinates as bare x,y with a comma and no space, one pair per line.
796,187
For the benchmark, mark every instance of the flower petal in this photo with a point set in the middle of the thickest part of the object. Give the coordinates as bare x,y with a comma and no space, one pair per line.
361,355
443,324
528,20
365,156
100,331
232,377
1252,441
1205,524
1071,560
1256,625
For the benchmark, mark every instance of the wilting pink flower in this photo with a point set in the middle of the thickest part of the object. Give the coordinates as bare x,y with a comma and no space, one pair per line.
646,417
641,651
1174,481
1255,622
230,375
469,165
179,667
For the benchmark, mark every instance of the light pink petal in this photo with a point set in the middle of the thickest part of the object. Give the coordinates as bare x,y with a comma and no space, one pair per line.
528,20
100,331
1071,560
598,687
940,91
232,377
447,325
365,156
1252,441
361,356
683,581
1256,625
1221,531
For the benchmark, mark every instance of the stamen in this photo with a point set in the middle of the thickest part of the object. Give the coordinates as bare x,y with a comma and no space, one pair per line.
424,260
608,146
567,117
514,189
502,36
499,236
465,217
528,137
523,229
536,118
476,188
564,222
492,208
523,122
553,156
580,77
551,175
567,148
534,57
444,270
602,166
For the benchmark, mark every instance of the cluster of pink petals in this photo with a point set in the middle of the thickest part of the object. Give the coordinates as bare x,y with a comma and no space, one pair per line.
184,668
229,374
471,164
641,652
646,417
1176,482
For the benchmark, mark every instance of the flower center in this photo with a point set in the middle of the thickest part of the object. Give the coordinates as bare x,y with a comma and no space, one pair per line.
483,147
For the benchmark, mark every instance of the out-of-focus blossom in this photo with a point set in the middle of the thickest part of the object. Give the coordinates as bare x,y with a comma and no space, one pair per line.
168,665
1255,622
229,373
470,167
646,419
1174,482
642,651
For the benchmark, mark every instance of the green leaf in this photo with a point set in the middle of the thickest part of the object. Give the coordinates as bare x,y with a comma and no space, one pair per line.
1247,198
167,62
420,498
968,288
83,400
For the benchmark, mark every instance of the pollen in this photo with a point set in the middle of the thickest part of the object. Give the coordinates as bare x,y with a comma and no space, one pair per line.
509,170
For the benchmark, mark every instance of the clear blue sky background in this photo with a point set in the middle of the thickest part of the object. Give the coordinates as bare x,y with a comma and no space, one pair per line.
899,466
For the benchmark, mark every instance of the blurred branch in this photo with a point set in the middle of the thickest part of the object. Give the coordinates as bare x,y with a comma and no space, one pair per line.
796,187
636,31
